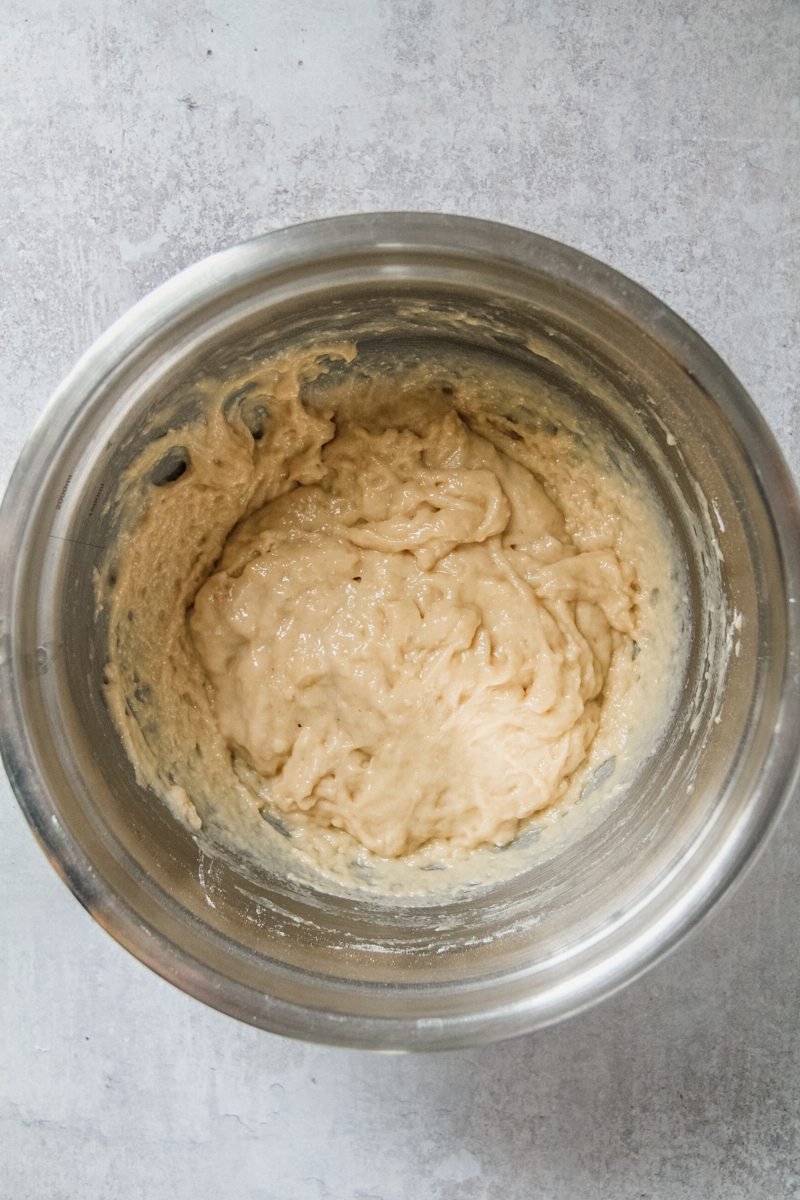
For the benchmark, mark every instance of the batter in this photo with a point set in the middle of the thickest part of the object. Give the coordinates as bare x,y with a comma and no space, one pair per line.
378,614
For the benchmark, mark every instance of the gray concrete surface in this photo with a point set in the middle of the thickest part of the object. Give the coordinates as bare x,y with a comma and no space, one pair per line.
134,138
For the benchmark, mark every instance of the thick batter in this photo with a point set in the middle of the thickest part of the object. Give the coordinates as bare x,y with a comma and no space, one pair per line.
375,609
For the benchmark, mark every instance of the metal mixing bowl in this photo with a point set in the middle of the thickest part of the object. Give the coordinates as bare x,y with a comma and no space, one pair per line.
615,897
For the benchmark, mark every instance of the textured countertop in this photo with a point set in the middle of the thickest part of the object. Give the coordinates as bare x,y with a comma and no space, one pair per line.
134,139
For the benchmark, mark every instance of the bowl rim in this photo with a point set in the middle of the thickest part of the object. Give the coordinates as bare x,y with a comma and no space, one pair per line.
294,247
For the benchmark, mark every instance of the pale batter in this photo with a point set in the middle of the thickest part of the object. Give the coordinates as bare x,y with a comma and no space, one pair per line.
378,607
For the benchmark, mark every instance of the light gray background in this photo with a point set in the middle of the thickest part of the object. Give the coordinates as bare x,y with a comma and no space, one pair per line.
137,136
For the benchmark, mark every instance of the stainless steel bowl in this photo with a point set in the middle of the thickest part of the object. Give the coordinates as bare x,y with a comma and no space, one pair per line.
614,898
